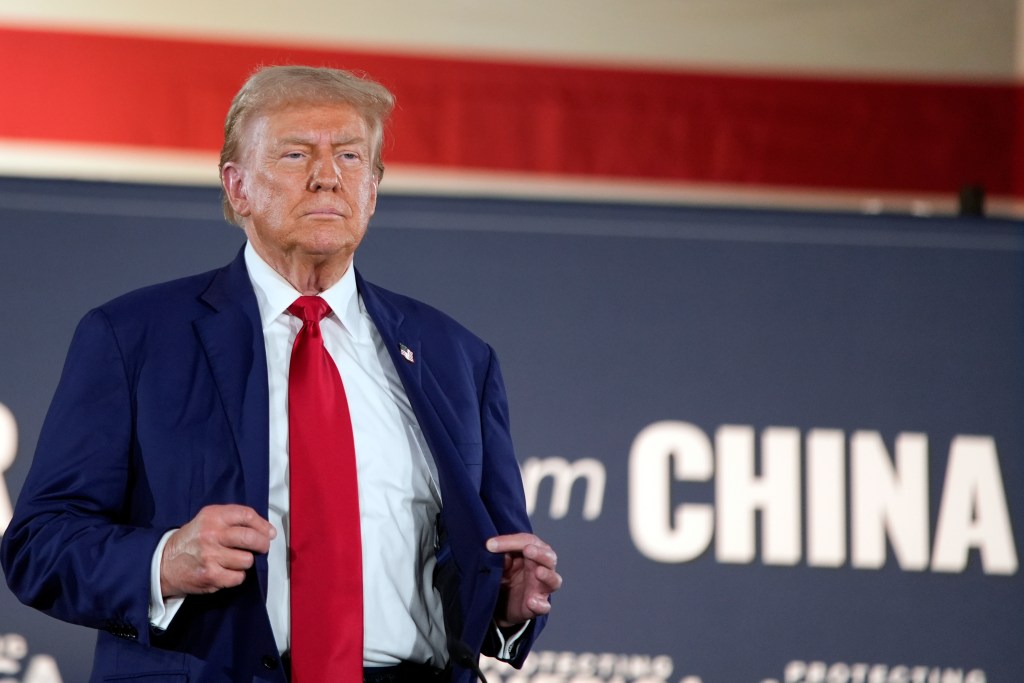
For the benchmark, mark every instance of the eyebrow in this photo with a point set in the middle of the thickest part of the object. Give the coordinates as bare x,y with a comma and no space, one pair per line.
309,142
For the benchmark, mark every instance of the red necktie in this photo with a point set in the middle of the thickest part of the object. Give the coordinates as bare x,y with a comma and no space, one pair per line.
326,569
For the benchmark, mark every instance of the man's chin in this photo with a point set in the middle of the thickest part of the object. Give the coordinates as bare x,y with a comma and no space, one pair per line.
330,244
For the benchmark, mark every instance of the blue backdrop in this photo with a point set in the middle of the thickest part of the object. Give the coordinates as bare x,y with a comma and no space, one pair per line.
767,446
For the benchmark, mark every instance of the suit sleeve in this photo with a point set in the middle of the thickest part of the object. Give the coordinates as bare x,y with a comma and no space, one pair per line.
502,488
72,550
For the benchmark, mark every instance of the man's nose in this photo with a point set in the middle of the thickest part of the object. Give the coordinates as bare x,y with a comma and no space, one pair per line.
324,174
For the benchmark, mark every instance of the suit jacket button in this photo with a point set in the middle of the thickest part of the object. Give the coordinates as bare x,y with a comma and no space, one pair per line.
270,662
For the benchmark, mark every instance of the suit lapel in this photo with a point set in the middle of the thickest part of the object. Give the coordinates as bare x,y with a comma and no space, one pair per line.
398,330
233,342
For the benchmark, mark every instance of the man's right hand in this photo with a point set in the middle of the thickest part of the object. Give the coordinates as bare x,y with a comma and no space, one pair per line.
214,550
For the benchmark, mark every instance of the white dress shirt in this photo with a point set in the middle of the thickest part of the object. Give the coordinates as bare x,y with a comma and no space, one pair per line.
398,492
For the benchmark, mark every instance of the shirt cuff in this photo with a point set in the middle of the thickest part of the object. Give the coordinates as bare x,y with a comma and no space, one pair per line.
161,612
509,644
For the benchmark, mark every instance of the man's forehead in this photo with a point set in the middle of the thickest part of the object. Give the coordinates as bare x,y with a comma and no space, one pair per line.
299,121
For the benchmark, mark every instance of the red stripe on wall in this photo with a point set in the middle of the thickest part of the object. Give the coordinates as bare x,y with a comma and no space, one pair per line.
524,117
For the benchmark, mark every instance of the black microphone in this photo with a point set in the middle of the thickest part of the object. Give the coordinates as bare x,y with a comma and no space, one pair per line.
466,658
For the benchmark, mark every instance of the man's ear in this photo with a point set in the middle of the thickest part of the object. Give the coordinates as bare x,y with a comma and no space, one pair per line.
373,195
234,188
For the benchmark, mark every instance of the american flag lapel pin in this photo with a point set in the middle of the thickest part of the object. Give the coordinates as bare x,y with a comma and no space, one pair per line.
406,353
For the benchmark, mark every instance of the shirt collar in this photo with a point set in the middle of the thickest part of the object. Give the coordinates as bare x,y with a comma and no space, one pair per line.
274,295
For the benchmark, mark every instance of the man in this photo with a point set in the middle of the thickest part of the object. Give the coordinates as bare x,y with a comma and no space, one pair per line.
192,487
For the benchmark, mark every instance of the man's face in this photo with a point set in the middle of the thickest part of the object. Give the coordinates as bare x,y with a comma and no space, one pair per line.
304,184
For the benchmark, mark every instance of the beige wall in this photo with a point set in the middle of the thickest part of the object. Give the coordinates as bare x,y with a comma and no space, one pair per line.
959,39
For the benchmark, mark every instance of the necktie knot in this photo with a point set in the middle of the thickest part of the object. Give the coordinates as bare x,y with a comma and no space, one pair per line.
309,309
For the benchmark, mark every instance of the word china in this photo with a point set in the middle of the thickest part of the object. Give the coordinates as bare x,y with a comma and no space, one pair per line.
888,499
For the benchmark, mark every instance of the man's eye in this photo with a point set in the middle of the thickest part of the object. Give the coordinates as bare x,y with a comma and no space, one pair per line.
293,155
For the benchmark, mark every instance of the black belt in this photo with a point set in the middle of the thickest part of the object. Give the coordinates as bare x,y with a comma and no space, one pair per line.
404,672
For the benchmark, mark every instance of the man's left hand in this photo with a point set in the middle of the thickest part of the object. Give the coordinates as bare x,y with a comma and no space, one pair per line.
528,580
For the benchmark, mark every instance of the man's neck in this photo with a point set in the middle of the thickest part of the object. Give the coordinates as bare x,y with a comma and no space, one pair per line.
309,275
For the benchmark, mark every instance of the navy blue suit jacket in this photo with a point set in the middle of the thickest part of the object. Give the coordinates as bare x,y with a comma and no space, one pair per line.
162,409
